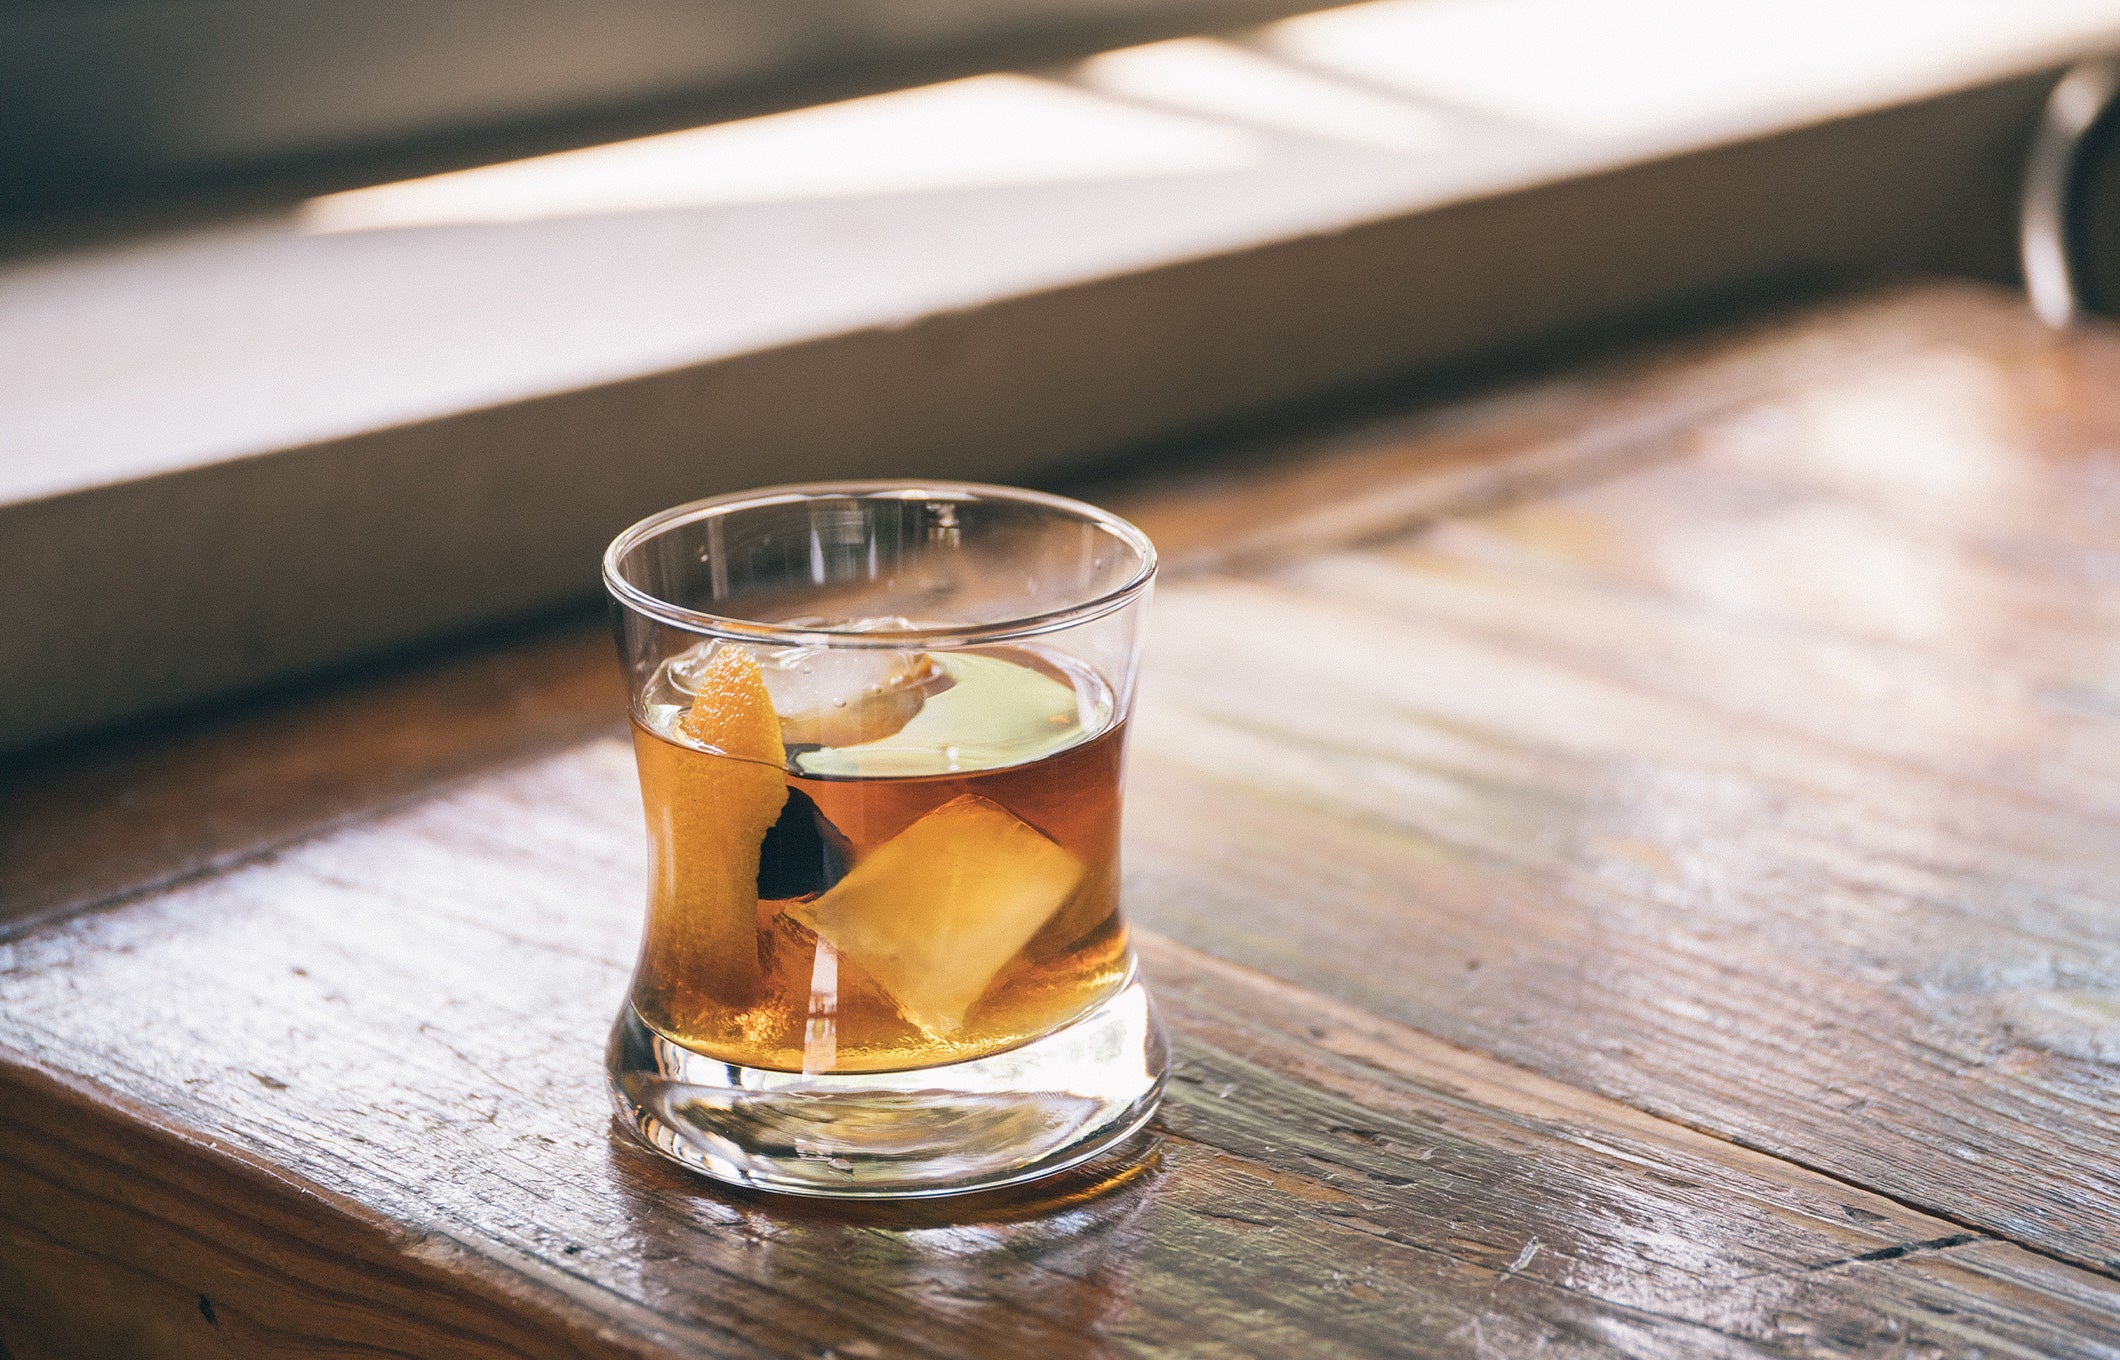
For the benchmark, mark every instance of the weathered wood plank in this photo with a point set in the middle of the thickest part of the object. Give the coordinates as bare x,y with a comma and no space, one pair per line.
405,1015
1736,746
88,822
121,1234
1773,785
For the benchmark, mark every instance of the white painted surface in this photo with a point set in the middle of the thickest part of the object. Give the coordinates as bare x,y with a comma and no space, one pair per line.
403,303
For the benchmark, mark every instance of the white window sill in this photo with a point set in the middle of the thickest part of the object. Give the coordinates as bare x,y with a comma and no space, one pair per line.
240,453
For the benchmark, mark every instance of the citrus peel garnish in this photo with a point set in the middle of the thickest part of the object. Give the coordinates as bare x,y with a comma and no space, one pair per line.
703,925
733,711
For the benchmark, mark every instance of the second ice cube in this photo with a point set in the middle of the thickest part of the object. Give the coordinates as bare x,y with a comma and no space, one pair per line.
845,697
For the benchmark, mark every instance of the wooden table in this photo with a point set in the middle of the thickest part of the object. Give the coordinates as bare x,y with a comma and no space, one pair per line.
1631,860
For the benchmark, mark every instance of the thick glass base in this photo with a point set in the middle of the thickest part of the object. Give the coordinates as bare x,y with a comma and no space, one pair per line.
1015,1116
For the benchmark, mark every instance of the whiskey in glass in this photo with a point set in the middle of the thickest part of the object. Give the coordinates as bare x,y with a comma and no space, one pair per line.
881,733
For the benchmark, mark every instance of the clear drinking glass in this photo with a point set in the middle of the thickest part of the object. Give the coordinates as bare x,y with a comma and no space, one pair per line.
881,730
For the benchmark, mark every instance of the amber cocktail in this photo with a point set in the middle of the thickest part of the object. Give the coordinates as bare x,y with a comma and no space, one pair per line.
884,952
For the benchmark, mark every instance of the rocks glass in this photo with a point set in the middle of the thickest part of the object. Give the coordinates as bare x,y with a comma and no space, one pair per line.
881,730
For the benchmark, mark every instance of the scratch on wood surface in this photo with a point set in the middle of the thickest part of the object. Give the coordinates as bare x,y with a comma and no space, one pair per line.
1905,1249
1523,1258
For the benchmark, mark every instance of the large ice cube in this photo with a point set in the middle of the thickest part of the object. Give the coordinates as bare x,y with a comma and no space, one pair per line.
829,696
935,912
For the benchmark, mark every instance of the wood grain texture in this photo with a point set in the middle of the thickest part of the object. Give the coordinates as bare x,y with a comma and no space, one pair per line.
86,823
121,1234
1629,862
1773,786
367,1017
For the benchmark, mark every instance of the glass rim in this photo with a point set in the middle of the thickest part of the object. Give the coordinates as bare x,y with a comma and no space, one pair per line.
794,493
